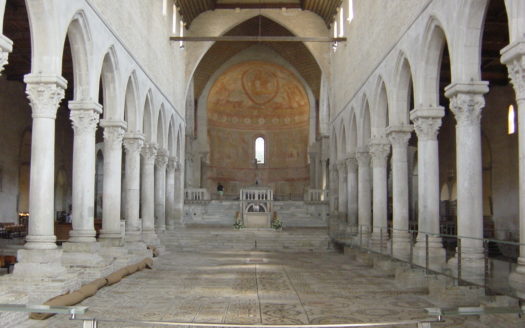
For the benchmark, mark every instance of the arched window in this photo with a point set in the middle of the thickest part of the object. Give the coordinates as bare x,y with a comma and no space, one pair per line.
511,117
350,11
259,150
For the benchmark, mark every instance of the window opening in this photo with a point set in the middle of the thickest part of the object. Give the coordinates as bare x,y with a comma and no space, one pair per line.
259,150
350,11
511,117
341,23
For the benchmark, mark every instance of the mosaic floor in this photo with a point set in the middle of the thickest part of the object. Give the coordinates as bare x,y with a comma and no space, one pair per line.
254,288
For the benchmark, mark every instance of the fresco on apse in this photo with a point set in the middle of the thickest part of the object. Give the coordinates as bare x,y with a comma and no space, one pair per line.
255,99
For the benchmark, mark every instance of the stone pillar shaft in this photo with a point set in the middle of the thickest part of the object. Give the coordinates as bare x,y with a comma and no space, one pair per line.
352,183
467,101
379,150
45,94
341,169
170,193
399,136
427,122
364,196
179,193
133,144
160,189
148,188
84,117
112,186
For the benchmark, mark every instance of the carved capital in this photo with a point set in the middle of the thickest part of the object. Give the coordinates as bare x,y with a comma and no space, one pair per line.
84,117
427,122
6,46
161,159
45,94
399,135
341,168
379,150
514,57
4,56
351,164
133,143
149,152
467,101
363,157
113,133
172,164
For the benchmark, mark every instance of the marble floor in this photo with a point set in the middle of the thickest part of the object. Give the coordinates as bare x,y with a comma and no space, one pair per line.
255,288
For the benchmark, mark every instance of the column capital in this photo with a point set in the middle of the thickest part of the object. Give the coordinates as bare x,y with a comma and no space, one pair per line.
162,158
351,163
6,46
341,168
84,116
467,101
45,92
399,135
379,150
113,133
363,156
427,121
133,142
513,56
172,164
149,151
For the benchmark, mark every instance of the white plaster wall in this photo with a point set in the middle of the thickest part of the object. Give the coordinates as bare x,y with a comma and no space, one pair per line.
377,26
145,31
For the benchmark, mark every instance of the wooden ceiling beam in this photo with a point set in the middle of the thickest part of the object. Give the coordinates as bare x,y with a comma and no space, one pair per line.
255,38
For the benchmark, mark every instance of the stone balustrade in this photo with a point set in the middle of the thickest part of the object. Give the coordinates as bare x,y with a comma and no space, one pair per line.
196,195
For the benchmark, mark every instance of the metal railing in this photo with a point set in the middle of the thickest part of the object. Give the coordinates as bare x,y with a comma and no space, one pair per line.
482,262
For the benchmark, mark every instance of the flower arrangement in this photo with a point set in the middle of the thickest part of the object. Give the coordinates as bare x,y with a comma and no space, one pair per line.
276,223
238,223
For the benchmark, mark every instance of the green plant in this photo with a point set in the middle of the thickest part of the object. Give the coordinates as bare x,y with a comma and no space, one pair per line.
276,223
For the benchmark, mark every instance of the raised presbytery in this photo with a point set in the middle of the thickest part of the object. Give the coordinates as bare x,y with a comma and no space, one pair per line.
262,162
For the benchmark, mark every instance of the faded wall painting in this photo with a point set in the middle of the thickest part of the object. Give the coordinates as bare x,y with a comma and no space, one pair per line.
258,99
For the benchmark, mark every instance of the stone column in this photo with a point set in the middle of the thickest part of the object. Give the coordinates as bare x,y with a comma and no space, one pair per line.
467,101
334,200
379,150
84,117
45,94
149,151
341,169
6,46
364,196
514,57
170,193
427,122
352,184
179,193
323,179
399,136
160,189
112,186
133,144
313,169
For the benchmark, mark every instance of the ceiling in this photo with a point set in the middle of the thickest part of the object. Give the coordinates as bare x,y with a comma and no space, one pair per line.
190,9
295,53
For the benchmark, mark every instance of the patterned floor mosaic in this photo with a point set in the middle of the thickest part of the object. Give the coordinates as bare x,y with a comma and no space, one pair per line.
254,288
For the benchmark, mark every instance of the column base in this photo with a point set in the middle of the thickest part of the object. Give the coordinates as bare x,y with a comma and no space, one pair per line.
40,275
82,236
436,254
517,279
85,259
379,242
39,263
40,242
109,235
110,241
472,267
401,246
133,236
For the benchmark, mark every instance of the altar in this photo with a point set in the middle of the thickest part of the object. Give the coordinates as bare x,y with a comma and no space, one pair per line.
256,207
